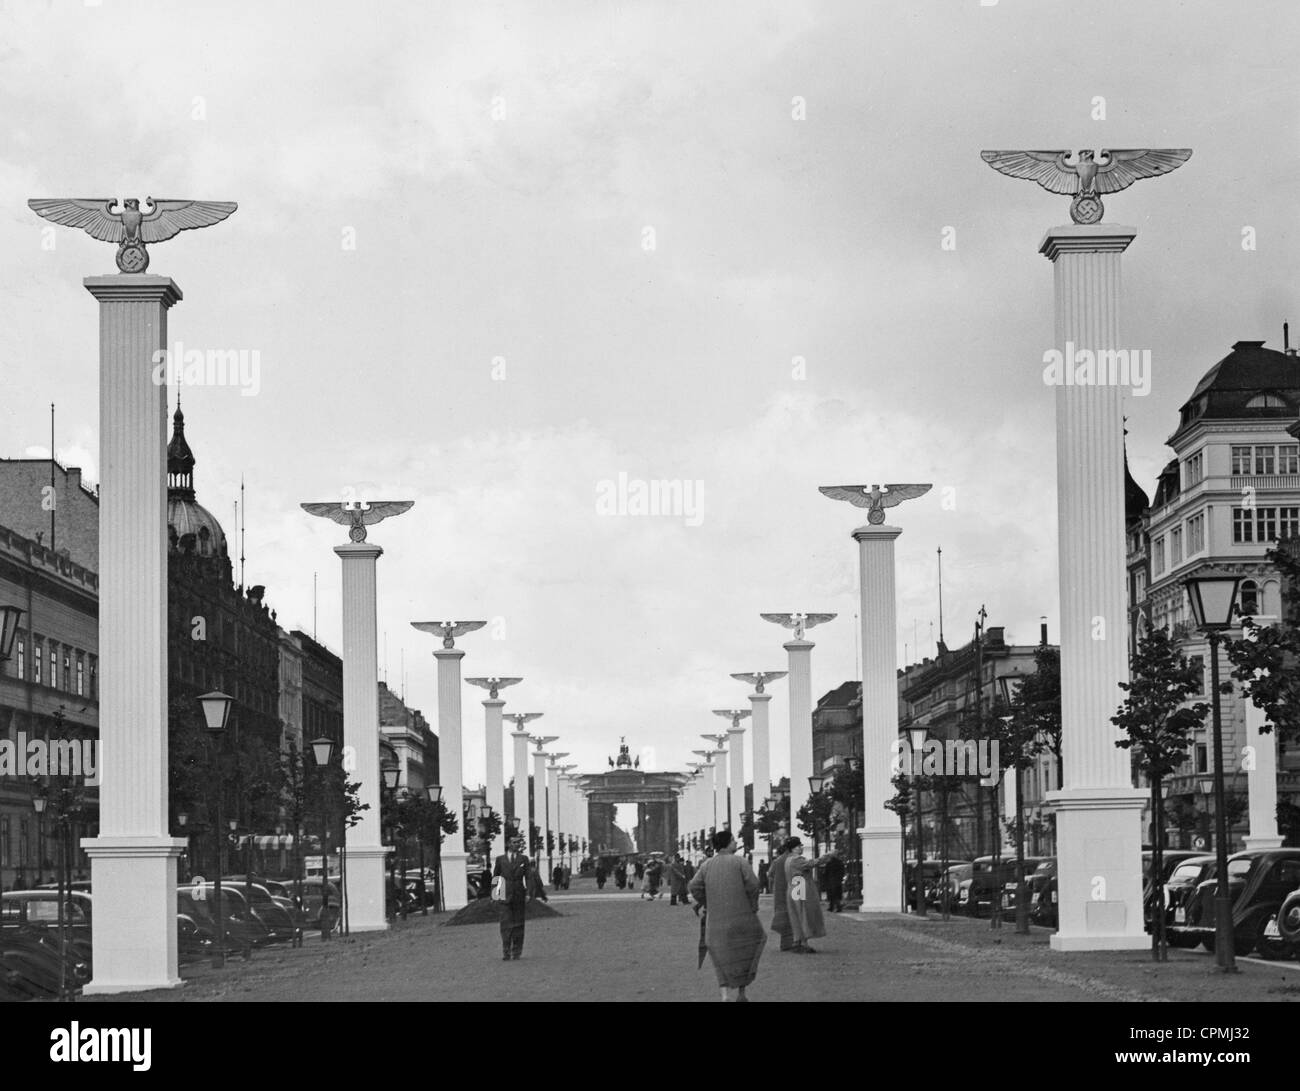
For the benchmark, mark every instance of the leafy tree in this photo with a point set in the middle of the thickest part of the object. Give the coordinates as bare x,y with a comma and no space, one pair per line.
769,822
1158,724
1039,700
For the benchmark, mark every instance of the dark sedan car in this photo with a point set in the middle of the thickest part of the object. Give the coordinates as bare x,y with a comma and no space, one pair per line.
1183,880
988,884
1259,881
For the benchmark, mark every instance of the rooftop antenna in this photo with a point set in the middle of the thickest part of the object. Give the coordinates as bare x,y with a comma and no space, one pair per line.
53,503
243,515
313,606
939,551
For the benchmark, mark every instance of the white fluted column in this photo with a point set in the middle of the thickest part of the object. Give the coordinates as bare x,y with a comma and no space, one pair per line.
553,808
133,860
801,702
523,809
541,808
759,704
882,876
496,792
1099,812
451,771
365,875
1261,774
736,778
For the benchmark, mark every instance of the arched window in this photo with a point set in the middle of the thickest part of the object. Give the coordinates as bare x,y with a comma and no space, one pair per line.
1248,599
1267,401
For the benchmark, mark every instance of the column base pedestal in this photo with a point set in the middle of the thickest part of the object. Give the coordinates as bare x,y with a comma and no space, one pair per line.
133,929
454,894
366,884
1099,869
882,870
1263,842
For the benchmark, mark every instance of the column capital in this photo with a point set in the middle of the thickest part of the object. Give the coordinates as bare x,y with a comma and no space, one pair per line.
799,646
358,551
492,702
1085,239
133,288
876,534
449,653
760,698
519,734
735,731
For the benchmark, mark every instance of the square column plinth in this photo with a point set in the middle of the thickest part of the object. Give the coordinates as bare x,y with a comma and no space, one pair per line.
1099,812
133,861
882,874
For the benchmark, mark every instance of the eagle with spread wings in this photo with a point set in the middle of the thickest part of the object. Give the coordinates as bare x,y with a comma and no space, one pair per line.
448,630
875,498
758,679
1088,177
129,227
357,516
797,622
493,685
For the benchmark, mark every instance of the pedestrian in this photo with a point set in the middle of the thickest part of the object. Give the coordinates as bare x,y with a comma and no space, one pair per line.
763,870
805,906
780,910
834,872
677,881
557,876
520,885
602,873
727,889
639,867
620,874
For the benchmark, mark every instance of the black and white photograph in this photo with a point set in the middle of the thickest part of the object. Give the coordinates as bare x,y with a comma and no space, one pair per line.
624,501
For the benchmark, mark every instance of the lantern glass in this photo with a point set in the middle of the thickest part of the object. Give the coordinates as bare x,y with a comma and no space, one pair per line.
391,774
38,804
1213,599
434,792
216,710
815,783
322,750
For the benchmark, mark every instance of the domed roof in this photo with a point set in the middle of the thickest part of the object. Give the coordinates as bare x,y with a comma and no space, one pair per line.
1250,382
185,515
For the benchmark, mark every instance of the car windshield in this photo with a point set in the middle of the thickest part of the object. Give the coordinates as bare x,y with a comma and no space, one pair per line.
1185,873
1239,869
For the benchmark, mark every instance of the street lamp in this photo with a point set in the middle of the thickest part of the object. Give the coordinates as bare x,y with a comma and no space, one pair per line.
392,777
216,715
9,616
434,792
1213,601
815,784
917,737
322,750
181,820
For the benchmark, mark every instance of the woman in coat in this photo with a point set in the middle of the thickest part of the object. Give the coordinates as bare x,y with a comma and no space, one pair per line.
804,900
728,889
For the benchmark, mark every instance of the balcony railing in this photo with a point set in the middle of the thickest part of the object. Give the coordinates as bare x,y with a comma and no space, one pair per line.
1266,481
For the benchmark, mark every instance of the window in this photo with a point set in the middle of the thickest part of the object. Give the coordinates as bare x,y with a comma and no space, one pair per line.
1241,460
1263,460
1158,556
1193,470
67,668
1202,758
36,665
81,675
1266,524
21,657
1248,599
94,678
1176,546
1288,458
1266,401
1197,663
1243,525
1139,585
24,842
52,671
1195,534
1288,522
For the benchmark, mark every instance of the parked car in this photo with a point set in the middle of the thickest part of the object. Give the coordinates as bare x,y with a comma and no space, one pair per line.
311,904
932,870
977,894
1183,880
1041,885
956,874
1288,919
1259,881
241,935
1169,861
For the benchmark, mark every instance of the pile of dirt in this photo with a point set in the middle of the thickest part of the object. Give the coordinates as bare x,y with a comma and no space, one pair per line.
485,911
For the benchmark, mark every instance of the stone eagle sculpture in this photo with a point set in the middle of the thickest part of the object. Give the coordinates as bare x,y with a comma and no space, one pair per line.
874,498
448,630
357,516
493,684
758,679
797,622
1088,177
735,715
130,228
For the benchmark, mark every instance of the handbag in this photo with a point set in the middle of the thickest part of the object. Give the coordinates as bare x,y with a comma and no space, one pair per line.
499,888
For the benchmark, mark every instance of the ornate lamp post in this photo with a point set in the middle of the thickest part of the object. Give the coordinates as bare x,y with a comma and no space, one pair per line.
216,715
434,792
815,784
392,774
917,737
322,750
1213,601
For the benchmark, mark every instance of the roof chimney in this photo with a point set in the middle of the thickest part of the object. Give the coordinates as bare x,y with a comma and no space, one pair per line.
1286,339
1042,630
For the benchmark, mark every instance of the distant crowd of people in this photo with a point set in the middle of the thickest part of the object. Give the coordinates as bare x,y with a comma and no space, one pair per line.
648,875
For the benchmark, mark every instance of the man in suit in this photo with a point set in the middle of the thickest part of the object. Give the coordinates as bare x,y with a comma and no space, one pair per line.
520,883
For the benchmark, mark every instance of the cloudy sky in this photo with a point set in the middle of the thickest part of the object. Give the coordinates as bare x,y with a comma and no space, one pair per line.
492,256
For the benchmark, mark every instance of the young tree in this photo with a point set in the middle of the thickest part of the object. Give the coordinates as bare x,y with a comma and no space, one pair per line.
815,816
1266,658
1158,724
